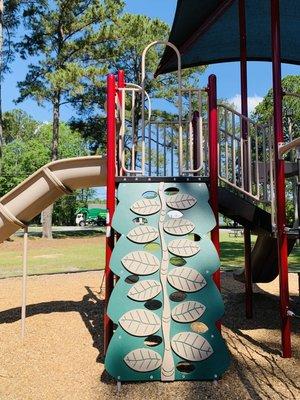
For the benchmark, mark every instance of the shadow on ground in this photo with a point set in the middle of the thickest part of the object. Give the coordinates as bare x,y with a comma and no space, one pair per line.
90,308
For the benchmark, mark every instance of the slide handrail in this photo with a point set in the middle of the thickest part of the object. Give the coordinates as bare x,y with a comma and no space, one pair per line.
255,178
286,147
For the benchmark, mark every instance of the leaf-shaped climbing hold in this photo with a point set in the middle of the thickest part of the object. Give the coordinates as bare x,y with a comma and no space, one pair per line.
181,201
143,360
188,311
140,322
146,206
144,290
143,234
191,346
183,247
178,226
141,263
186,279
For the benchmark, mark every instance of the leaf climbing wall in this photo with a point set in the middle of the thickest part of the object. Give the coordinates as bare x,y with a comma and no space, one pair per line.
165,260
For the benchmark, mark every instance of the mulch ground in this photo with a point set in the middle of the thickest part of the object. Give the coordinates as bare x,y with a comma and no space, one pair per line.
62,355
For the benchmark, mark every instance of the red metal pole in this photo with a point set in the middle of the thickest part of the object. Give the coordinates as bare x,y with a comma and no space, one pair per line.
196,144
280,182
121,84
244,103
110,199
243,65
213,168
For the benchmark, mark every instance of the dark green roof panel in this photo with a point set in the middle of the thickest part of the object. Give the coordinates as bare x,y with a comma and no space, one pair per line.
201,43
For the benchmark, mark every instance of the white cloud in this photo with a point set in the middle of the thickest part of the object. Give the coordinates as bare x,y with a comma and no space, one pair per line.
253,101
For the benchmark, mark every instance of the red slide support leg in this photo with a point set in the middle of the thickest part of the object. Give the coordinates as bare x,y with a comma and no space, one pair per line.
213,168
248,273
280,182
110,200
244,101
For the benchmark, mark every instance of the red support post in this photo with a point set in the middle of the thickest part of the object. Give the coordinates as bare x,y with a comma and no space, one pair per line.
196,143
244,103
110,199
213,168
248,273
121,84
243,66
280,182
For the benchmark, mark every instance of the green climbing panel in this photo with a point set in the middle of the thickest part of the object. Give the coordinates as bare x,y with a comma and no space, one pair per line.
165,304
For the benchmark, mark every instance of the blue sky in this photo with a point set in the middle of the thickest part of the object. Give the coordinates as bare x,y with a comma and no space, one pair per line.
228,83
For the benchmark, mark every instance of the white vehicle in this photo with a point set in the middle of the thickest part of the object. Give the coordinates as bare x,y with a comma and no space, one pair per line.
80,221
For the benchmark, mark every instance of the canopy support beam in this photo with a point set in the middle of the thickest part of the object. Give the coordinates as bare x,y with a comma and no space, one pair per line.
282,243
244,104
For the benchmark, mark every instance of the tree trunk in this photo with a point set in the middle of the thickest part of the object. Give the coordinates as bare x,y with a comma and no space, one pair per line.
47,213
1,71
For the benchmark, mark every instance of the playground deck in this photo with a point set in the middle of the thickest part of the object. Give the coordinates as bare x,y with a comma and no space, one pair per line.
62,354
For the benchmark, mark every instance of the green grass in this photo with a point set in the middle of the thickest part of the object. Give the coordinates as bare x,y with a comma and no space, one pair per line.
232,253
80,253
55,256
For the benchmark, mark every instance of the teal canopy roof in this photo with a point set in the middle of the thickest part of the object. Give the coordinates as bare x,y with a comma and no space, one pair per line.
208,32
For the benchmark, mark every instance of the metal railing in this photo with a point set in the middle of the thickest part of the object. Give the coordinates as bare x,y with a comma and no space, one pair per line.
155,147
245,164
162,144
175,143
152,143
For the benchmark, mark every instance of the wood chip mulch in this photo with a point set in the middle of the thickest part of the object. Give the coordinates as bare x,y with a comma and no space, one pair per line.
62,355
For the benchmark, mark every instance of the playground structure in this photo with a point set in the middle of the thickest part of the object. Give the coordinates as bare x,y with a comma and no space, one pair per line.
208,151
203,144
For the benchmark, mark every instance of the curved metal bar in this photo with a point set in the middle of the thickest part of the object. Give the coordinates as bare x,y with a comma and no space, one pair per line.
140,89
171,45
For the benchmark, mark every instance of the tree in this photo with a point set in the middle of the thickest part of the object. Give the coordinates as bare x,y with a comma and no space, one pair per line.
92,129
263,113
72,40
9,21
28,152
134,33
28,149
17,124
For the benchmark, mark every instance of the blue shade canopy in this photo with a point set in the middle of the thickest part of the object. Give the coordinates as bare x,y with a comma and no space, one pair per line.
208,32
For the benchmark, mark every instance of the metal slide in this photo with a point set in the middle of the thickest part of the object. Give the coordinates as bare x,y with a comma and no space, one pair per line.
264,252
29,198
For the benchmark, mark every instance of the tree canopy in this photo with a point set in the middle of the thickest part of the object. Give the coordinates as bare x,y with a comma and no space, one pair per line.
291,106
30,150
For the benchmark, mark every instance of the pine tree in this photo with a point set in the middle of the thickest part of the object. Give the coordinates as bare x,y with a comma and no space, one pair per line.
73,41
9,21
134,33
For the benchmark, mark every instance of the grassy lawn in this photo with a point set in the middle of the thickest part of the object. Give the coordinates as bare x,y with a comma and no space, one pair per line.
75,251
64,254
232,252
